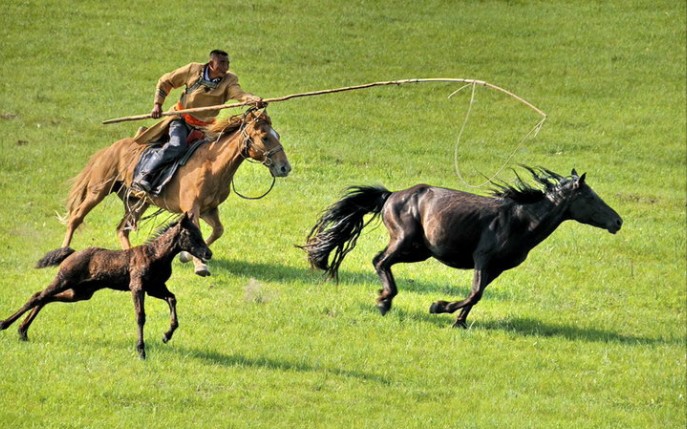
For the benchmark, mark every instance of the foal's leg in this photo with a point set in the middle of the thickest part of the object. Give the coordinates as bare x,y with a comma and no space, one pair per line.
69,295
480,281
37,299
164,294
138,295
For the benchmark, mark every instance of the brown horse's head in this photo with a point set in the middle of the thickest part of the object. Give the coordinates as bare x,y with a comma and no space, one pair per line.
262,143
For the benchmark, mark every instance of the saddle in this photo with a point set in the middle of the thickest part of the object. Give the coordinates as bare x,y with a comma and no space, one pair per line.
195,139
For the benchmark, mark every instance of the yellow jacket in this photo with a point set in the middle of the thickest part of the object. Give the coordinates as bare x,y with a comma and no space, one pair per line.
198,93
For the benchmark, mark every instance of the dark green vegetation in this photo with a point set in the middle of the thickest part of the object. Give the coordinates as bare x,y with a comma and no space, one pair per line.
588,332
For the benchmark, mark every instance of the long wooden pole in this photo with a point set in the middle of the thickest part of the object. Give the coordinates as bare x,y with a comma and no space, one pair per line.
332,91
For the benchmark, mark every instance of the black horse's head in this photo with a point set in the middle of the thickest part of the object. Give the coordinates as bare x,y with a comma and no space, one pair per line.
587,207
189,238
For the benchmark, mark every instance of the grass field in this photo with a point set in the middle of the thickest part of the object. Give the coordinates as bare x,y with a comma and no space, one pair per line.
590,332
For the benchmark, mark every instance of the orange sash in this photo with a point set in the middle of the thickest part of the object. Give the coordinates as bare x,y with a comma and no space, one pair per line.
192,120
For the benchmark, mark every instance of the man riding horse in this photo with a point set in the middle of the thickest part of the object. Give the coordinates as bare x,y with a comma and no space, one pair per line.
206,85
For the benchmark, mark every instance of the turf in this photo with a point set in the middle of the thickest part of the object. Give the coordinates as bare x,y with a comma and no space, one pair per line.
589,332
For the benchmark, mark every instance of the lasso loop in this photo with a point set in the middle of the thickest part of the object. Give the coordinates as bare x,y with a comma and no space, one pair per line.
533,132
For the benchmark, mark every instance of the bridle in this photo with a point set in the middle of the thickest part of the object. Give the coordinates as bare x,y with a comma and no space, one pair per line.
266,156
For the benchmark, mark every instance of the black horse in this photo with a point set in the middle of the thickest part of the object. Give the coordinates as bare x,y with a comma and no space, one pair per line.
461,230
142,269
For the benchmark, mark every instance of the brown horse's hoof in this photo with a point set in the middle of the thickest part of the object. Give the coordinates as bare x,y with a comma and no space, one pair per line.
203,271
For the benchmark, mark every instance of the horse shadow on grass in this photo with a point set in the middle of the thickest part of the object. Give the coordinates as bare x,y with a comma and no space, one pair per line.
529,327
215,357
289,274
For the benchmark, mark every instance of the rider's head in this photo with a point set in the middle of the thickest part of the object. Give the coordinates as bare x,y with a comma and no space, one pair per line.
219,63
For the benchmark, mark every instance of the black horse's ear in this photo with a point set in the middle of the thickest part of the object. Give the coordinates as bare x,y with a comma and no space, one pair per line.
578,181
573,173
188,216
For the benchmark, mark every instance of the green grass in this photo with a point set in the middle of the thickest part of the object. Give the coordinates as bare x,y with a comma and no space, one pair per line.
589,332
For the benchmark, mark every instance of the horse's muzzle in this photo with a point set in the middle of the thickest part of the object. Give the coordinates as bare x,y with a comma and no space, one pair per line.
280,169
204,255
615,225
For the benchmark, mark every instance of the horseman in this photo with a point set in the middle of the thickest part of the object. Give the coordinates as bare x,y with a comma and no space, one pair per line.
206,85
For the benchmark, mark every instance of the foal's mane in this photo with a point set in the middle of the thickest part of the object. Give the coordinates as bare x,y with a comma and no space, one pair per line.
162,230
234,123
524,193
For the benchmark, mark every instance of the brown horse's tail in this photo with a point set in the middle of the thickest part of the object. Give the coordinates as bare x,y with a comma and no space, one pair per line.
54,257
340,225
102,171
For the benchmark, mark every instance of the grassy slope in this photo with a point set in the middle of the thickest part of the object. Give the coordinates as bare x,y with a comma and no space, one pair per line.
589,332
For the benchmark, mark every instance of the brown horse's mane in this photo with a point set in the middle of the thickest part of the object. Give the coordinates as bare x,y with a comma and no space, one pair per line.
234,123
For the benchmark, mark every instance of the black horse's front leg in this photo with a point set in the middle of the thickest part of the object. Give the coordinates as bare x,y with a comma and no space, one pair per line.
480,281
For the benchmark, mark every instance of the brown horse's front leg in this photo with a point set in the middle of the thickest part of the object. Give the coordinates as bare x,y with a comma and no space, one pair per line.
133,209
138,296
200,267
211,217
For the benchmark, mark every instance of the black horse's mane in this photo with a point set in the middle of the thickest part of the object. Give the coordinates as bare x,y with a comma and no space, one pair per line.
525,193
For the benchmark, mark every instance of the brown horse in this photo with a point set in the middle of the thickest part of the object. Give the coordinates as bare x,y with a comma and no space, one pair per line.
141,270
198,187
461,230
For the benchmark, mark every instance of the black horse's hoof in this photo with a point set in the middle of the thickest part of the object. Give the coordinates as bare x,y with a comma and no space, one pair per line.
383,307
438,307
460,324
165,339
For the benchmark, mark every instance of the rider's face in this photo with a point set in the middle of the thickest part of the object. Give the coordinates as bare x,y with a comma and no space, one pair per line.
219,65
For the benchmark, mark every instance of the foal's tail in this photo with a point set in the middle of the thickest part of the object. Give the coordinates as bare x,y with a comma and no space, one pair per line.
340,226
54,257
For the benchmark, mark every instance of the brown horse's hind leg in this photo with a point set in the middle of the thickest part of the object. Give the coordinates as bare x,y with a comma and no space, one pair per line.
93,197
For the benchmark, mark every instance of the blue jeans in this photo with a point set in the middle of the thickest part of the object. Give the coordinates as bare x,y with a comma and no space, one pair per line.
170,151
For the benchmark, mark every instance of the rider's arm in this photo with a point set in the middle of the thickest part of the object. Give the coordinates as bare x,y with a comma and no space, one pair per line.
168,82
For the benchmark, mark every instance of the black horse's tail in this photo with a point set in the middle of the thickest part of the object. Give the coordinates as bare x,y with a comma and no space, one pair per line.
54,257
340,226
